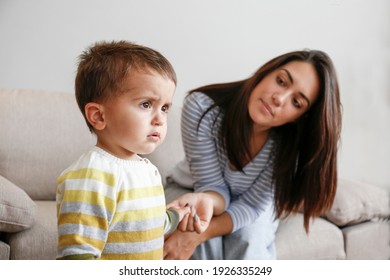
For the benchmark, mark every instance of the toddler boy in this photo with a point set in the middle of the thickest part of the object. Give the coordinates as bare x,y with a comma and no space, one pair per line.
110,202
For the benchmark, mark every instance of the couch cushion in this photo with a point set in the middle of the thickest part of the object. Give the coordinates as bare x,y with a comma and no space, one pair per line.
367,241
324,241
356,202
17,210
42,132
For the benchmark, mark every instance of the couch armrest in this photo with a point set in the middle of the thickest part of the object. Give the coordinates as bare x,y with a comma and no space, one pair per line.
4,251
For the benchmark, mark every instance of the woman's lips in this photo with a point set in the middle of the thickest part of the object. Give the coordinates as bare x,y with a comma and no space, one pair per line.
267,107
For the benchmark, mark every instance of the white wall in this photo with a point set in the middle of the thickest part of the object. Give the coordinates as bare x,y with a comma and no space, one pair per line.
211,41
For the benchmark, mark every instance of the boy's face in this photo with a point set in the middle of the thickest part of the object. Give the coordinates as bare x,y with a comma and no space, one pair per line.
136,120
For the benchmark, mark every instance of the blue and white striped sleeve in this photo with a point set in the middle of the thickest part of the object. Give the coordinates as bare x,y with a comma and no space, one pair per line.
249,206
200,145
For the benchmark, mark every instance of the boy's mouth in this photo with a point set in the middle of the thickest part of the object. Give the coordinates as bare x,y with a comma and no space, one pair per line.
154,137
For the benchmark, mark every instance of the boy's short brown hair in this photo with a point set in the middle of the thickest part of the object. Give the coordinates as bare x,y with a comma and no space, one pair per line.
104,65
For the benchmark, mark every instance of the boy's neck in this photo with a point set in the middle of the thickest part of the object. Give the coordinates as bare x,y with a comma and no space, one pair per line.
117,151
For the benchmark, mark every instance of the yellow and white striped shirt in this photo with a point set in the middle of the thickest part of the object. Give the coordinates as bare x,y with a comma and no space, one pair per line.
110,208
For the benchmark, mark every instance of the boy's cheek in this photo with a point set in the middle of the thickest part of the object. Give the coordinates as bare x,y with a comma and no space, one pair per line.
162,137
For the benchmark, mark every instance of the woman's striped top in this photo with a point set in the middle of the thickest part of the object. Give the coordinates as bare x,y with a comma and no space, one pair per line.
207,167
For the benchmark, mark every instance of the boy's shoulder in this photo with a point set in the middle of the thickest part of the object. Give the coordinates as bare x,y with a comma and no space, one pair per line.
91,164
90,160
99,160
85,160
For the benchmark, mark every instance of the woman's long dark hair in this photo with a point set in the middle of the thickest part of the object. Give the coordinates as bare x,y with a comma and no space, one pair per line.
305,168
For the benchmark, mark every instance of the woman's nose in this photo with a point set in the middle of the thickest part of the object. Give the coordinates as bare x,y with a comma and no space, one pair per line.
278,98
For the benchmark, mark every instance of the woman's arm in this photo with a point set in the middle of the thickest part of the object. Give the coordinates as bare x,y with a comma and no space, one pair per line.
251,204
188,241
200,142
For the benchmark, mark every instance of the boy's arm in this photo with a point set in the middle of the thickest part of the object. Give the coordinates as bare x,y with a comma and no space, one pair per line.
173,218
82,225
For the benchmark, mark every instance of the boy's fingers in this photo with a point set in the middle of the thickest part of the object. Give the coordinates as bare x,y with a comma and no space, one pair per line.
177,204
181,211
173,204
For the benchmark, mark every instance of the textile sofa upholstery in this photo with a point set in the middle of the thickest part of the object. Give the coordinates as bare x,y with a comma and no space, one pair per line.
42,132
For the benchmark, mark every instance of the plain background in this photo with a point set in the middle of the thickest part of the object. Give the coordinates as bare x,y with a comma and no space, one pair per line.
210,41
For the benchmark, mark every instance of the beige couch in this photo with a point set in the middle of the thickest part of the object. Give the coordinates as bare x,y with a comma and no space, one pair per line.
41,133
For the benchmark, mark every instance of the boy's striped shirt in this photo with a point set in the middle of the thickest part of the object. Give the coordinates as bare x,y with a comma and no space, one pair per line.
110,208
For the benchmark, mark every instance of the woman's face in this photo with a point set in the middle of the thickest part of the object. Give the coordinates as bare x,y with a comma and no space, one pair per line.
283,95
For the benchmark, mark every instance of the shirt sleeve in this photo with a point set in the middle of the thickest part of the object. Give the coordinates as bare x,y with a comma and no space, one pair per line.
85,204
249,206
172,220
200,145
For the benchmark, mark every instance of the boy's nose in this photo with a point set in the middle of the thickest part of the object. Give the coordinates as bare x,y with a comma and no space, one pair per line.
158,119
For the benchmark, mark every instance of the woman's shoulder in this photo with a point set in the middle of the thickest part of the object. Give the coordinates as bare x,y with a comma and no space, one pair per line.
198,106
199,99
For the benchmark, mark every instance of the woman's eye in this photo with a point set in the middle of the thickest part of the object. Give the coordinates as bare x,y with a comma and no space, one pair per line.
146,105
296,103
280,81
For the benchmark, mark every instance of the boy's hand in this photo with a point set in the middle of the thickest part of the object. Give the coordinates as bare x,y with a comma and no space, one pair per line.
201,206
182,211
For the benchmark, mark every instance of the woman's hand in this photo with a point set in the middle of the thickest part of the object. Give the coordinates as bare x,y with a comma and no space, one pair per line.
181,245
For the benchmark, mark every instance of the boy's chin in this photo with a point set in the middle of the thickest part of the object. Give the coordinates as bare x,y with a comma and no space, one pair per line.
148,150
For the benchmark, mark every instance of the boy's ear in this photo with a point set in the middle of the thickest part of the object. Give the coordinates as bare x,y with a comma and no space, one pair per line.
94,115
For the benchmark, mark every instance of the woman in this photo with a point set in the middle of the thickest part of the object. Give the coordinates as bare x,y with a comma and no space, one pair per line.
268,146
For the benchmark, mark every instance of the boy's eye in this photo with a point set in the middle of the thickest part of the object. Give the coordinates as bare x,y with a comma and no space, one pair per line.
165,108
146,105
